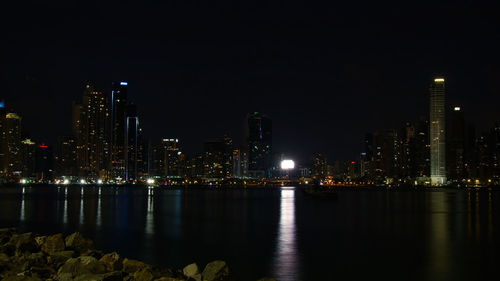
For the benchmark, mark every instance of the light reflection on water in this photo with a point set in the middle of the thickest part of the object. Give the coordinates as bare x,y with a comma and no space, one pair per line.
424,235
149,229
286,262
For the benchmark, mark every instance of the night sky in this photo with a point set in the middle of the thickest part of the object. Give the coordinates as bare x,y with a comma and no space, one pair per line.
325,73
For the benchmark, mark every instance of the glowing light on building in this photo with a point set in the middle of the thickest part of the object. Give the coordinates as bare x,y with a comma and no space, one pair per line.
287,164
123,83
439,80
457,108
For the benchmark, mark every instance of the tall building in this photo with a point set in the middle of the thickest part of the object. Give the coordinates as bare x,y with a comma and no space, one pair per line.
258,134
118,129
43,162
95,141
67,157
240,162
3,143
12,146
171,158
319,170
455,148
28,158
215,159
131,144
437,132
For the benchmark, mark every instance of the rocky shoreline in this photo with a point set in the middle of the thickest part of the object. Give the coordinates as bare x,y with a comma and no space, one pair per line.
27,257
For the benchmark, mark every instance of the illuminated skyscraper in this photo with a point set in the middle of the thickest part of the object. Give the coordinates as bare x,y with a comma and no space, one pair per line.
92,141
437,132
118,129
259,139
131,141
12,146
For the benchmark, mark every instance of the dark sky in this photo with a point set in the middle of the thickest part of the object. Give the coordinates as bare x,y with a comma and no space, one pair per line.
325,73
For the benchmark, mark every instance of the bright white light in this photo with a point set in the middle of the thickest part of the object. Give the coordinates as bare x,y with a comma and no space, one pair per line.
287,164
123,83
66,181
150,181
439,80
23,181
82,181
457,108
99,181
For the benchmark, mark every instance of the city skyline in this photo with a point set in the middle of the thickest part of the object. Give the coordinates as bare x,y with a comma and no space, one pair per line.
109,144
315,70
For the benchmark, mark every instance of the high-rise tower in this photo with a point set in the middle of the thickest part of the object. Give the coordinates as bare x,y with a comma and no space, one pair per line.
131,141
95,142
118,129
259,138
437,132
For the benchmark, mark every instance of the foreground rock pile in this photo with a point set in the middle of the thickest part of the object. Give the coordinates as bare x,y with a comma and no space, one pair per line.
32,258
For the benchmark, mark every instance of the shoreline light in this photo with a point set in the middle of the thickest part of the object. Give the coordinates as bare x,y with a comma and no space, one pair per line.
287,164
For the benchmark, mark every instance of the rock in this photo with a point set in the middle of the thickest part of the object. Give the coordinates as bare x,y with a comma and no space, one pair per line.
143,275
131,266
215,271
59,258
42,272
191,270
90,277
40,240
23,243
21,278
53,243
93,253
79,243
6,234
113,276
79,266
36,259
159,272
4,262
113,261
4,258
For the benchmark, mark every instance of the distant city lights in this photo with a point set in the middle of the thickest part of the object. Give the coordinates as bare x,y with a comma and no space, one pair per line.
287,164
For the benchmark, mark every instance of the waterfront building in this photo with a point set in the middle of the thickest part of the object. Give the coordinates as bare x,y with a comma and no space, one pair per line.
67,157
12,146
214,159
455,146
131,143
258,133
28,159
172,158
437,132
319,170
44,163
94,141
240,162
118,114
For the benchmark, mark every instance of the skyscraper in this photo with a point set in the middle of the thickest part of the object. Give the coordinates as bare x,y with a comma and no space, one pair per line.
12,130
455,147
118,130
95,141
259,139
131,143
437,132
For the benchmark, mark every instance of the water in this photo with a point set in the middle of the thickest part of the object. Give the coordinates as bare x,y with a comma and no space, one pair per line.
365,234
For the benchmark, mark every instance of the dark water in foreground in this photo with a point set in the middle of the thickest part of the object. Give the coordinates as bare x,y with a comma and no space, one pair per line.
364,235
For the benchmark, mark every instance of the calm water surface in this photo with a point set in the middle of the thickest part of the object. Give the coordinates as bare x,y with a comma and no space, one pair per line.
365,234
